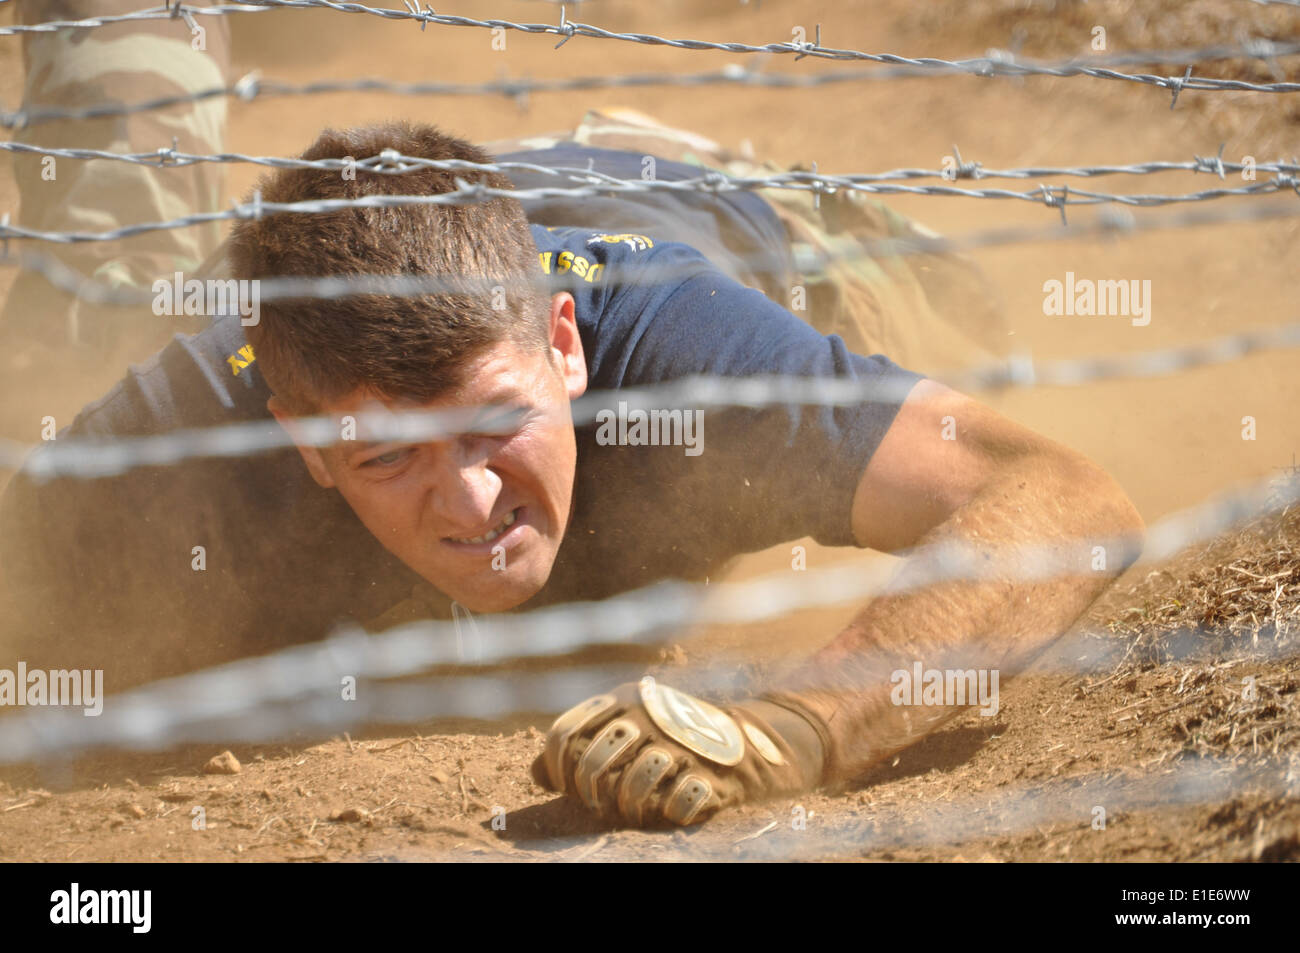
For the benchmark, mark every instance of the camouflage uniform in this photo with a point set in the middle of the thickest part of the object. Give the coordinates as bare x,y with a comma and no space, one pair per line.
125,63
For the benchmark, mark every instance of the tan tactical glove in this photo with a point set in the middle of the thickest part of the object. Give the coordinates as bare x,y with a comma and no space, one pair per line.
648,754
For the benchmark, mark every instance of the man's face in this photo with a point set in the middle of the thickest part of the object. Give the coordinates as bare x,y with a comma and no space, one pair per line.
480,515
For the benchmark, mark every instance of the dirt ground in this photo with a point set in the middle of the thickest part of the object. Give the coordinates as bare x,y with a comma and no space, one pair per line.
1135,741
1133,714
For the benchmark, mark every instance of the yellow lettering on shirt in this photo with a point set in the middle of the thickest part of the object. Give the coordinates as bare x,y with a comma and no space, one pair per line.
583,268
241,359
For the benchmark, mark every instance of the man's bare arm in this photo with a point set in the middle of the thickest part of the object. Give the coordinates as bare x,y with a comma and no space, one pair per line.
647,753
995,485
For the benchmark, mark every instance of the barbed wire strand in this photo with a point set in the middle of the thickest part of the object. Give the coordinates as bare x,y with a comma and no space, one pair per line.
394,162
1003,812
994,63
165,713
252,86
93,458
192,708
484,697
468,193
1111,222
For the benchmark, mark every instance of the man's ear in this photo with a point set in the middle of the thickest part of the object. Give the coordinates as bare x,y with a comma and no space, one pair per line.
566,345
310,455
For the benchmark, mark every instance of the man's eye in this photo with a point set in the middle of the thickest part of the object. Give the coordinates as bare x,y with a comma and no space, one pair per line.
386,459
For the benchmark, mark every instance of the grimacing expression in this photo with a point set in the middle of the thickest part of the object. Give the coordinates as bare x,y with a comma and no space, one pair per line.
481,515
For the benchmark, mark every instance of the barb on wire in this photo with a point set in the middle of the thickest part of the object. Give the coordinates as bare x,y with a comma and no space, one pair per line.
188,706
164,12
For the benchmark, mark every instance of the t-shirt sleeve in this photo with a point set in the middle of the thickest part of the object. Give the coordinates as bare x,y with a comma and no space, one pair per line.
783,471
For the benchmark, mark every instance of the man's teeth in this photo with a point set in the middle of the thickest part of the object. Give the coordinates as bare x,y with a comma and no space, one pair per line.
492,534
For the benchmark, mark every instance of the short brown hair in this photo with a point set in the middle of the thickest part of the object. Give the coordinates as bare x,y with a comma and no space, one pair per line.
315,349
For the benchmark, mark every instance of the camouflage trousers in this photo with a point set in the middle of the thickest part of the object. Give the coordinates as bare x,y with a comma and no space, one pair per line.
926,311
119,63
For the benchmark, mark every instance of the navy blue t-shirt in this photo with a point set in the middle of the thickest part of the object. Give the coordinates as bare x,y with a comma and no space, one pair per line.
96,568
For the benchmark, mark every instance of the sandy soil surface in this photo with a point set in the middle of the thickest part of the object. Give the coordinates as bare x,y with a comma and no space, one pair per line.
1128,715
1137,741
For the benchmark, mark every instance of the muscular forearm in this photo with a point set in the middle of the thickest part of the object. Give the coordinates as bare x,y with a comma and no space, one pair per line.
1054,506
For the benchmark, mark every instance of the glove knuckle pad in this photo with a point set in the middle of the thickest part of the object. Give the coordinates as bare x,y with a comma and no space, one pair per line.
566,727
689,797
640,781
613,740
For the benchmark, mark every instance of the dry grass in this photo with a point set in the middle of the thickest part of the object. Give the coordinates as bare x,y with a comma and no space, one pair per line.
1202,620
1237,593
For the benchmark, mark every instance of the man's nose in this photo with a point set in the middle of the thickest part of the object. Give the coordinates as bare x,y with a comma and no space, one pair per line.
465,491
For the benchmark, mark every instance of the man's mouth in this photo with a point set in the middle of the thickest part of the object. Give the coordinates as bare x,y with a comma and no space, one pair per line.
491,534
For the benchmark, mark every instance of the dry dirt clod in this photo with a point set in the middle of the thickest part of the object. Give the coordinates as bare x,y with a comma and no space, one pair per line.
224,763
352,815
441,777
673,656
